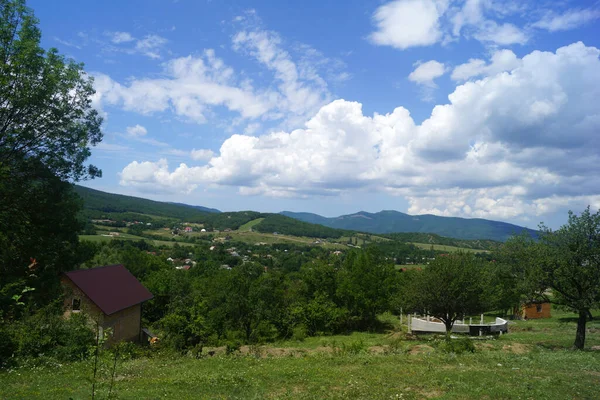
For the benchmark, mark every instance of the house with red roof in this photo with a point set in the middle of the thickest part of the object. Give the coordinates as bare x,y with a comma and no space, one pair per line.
110,296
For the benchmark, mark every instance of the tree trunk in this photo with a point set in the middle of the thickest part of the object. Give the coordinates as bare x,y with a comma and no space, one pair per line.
449,324
580,335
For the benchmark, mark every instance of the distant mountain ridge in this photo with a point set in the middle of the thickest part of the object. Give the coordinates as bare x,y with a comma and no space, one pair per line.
389,221
201,208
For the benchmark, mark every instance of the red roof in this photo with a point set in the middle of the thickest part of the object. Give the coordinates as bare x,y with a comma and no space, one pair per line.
112,287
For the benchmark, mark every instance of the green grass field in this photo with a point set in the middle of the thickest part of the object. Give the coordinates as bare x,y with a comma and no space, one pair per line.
126,236
534,361
248,226
449,249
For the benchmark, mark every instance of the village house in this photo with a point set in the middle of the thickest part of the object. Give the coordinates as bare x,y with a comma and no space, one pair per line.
110,296
535,310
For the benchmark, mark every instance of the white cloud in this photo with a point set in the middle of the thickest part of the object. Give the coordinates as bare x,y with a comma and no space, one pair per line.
427,72
571,19
516,143
193,86
121,37
150,45
301,90
201,154
136,130
502,60
124,42
500,34
408,23
189,86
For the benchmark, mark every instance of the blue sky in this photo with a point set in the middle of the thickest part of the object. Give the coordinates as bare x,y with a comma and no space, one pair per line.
476,108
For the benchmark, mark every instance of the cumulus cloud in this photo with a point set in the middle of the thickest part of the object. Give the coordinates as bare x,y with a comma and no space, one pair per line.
201,154
427,72
516,143
501,60
411,23
570,19
408,23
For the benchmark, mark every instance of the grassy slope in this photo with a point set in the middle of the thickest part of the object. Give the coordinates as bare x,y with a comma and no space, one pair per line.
533,361
248,226
442,247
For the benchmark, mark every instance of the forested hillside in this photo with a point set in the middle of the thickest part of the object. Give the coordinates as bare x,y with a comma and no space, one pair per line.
98,203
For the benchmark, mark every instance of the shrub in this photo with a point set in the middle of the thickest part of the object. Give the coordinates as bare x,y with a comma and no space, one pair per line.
299,333
456,346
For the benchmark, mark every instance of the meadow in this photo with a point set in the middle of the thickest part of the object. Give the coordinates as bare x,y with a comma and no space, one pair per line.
533,361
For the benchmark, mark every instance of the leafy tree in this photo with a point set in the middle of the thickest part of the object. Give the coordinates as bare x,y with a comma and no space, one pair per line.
45,101
450,287
46,127
569,260
365,286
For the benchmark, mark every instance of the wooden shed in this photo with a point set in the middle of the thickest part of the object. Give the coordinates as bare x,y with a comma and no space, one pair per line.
535,310
112,298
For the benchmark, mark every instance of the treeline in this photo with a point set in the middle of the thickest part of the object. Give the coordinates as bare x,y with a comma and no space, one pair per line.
106,203
430,238
289,226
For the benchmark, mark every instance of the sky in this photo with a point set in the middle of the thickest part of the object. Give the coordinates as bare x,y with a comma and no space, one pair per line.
468,108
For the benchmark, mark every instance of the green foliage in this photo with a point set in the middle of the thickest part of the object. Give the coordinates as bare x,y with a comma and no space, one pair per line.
45,334
289,226
46,108
38,232
455,345
568,262
450,287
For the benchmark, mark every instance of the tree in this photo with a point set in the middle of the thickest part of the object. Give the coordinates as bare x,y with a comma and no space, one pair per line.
365,286
450,287
46,127
569,259
45,101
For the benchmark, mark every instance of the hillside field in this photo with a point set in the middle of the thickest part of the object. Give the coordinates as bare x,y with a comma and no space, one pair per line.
533,361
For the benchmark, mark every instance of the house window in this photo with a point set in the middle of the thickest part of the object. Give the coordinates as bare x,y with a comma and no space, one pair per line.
538,307
76,305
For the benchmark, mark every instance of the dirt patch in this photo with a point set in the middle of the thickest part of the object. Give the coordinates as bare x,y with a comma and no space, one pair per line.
214,351
595,348
322,350
484,346
378,349
432,394
516,348
421,349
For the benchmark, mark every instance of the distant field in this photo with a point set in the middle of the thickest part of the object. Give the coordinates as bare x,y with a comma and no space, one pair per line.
248,226
533,361
410,266
125,236
441,247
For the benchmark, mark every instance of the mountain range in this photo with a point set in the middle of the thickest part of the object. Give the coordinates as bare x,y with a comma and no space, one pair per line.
390,221
383,222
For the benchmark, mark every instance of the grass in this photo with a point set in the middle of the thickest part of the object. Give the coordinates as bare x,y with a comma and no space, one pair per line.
247,227
533,361
441,247
126,236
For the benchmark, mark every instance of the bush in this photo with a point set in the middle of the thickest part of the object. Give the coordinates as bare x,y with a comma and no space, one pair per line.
456,346
299,333
47,334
